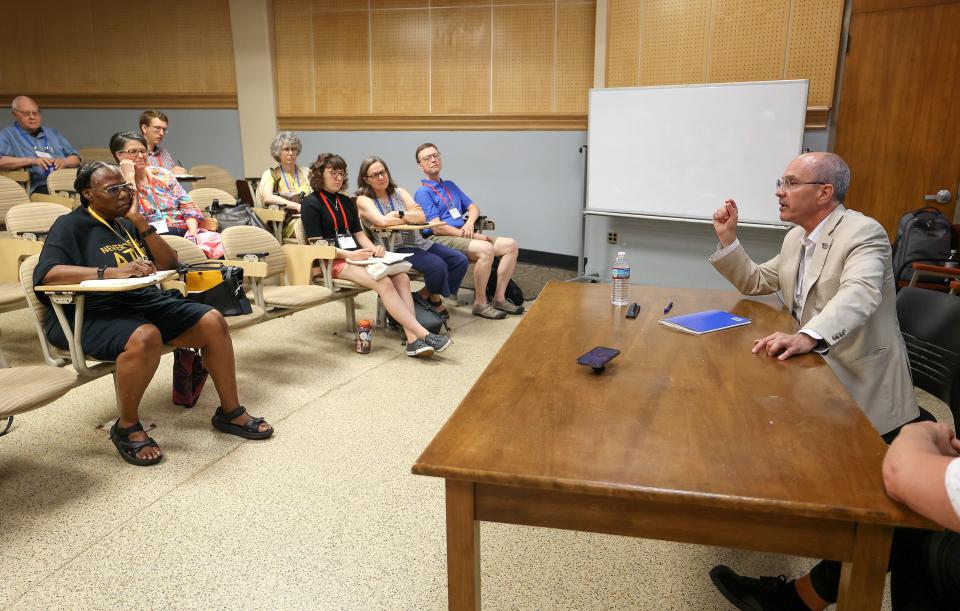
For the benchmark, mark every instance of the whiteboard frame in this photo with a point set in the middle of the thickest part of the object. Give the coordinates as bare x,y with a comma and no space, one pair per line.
703,219
586,211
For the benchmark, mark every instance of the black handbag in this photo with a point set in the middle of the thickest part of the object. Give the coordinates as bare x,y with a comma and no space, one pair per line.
234,216
218,286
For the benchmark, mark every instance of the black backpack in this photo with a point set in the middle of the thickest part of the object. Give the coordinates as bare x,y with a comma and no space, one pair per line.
426,315
513,293
922,235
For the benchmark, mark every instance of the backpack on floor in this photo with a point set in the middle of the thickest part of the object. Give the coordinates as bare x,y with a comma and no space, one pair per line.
922,235
513,294
426,316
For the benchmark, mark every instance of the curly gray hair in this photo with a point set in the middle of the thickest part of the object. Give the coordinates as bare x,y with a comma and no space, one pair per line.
285,139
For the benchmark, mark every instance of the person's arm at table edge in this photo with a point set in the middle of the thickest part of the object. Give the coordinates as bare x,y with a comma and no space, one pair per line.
914,470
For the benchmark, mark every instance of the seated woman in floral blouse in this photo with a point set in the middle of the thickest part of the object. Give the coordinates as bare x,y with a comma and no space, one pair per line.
162,200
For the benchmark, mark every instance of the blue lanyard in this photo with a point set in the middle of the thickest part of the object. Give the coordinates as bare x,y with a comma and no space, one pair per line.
284,174
42,136
376,200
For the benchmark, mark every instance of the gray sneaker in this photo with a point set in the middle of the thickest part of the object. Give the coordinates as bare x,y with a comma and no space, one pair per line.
439,343
508,307
488,311
418,347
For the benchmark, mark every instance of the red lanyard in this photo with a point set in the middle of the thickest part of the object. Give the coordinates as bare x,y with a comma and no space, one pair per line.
440,195
336,227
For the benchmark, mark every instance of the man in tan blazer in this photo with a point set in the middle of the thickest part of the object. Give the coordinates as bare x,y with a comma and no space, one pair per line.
834,272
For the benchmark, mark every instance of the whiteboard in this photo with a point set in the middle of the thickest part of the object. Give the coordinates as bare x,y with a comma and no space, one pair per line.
679,151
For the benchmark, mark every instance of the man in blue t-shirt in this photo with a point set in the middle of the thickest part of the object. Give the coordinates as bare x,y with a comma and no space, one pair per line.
27,145
443,200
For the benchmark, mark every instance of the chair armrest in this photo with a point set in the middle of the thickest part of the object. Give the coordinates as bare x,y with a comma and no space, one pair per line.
251,269
267,215
175,285
66,289
940,271
301,258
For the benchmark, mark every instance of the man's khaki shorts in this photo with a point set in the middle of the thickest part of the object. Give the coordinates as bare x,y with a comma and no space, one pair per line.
457,243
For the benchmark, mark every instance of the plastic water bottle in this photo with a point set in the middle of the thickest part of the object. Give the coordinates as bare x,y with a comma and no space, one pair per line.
620,277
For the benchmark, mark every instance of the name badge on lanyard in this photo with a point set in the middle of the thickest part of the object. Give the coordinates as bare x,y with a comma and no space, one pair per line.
43,154
346,242
454,213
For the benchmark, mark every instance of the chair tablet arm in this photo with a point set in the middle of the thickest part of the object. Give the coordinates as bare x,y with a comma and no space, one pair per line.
175,285
301,259
67,290
15,249
251,269
268,215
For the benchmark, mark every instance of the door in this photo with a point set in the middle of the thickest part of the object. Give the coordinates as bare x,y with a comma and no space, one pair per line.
898,122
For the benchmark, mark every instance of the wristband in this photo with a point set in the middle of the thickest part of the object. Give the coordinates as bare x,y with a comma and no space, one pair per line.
100,271
150,231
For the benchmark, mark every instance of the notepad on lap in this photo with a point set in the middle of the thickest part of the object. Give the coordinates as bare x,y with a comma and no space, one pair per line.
705,322
388,258
121,282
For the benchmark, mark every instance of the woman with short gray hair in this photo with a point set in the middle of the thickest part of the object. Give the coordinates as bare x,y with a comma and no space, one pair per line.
287,184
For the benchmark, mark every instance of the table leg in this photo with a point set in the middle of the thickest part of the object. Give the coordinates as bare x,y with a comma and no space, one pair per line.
862,579
463,547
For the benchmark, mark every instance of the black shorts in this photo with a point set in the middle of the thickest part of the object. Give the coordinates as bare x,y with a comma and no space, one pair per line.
108,327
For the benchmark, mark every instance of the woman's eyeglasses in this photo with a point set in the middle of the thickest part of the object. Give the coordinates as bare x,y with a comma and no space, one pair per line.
115,190
377,175
336,173
136,152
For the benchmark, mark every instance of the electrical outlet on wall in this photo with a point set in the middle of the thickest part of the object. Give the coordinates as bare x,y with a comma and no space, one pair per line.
612,237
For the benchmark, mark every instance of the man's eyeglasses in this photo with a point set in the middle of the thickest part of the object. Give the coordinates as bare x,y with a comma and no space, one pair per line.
786,184
136,152
377,175
28,113
430,157
336,173
115,190
158,128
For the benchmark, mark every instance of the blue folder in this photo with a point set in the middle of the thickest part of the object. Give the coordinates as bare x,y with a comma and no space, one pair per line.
705,322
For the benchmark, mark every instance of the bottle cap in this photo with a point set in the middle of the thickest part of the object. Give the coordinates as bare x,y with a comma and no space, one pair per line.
365,323
621,254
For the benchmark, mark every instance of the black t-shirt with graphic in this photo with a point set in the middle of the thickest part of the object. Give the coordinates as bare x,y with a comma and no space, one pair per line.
317,221
79,239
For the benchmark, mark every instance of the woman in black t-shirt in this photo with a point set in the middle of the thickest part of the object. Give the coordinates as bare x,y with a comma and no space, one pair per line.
107,237
329,214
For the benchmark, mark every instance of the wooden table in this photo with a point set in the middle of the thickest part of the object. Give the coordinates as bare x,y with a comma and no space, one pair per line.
682,438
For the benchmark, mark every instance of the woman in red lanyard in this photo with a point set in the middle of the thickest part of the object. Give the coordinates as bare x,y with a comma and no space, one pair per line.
162,200
331,215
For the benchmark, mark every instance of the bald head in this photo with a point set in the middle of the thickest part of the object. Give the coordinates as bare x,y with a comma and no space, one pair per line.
26,113
829,169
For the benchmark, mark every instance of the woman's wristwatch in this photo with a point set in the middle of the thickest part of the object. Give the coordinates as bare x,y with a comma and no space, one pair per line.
401,214
150,231
100,271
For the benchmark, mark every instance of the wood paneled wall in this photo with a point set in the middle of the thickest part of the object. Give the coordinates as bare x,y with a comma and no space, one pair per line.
667,42
422,64
83,54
